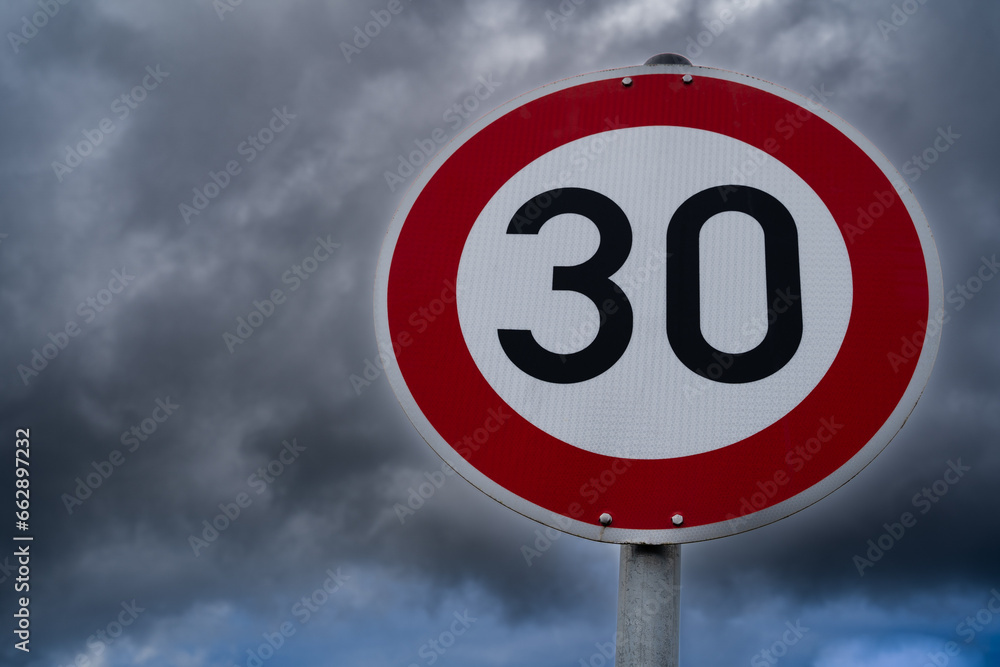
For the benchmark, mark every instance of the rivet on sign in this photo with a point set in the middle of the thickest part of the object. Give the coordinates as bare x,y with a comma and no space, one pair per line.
605,519
687,78
677,519
627,81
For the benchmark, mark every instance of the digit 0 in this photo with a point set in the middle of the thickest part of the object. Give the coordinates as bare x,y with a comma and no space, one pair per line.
781,262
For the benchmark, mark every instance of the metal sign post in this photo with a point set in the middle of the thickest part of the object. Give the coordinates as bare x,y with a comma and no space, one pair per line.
649,606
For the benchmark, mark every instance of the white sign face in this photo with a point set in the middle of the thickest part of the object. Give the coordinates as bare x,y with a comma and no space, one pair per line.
677,304
505,281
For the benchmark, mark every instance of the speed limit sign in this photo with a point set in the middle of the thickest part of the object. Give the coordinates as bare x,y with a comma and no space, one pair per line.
658,304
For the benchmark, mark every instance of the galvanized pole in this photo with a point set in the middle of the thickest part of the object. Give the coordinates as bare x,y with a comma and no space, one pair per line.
649,606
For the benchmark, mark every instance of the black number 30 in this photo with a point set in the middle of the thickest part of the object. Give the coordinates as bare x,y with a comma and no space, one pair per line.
683,300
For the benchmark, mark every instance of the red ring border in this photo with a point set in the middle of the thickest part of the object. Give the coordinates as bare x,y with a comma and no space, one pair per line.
859,391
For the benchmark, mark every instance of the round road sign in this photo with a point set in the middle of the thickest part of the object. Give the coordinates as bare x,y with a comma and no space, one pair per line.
658,304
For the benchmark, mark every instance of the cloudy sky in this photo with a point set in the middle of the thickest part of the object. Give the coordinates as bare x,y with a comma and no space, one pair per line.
166,165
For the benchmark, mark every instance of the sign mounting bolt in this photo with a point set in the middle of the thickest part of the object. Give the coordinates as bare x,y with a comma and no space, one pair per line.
687,78
677,519
627,81
605,519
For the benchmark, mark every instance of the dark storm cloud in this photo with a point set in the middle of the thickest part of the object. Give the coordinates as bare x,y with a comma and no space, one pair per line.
323,177
954,543
162,336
